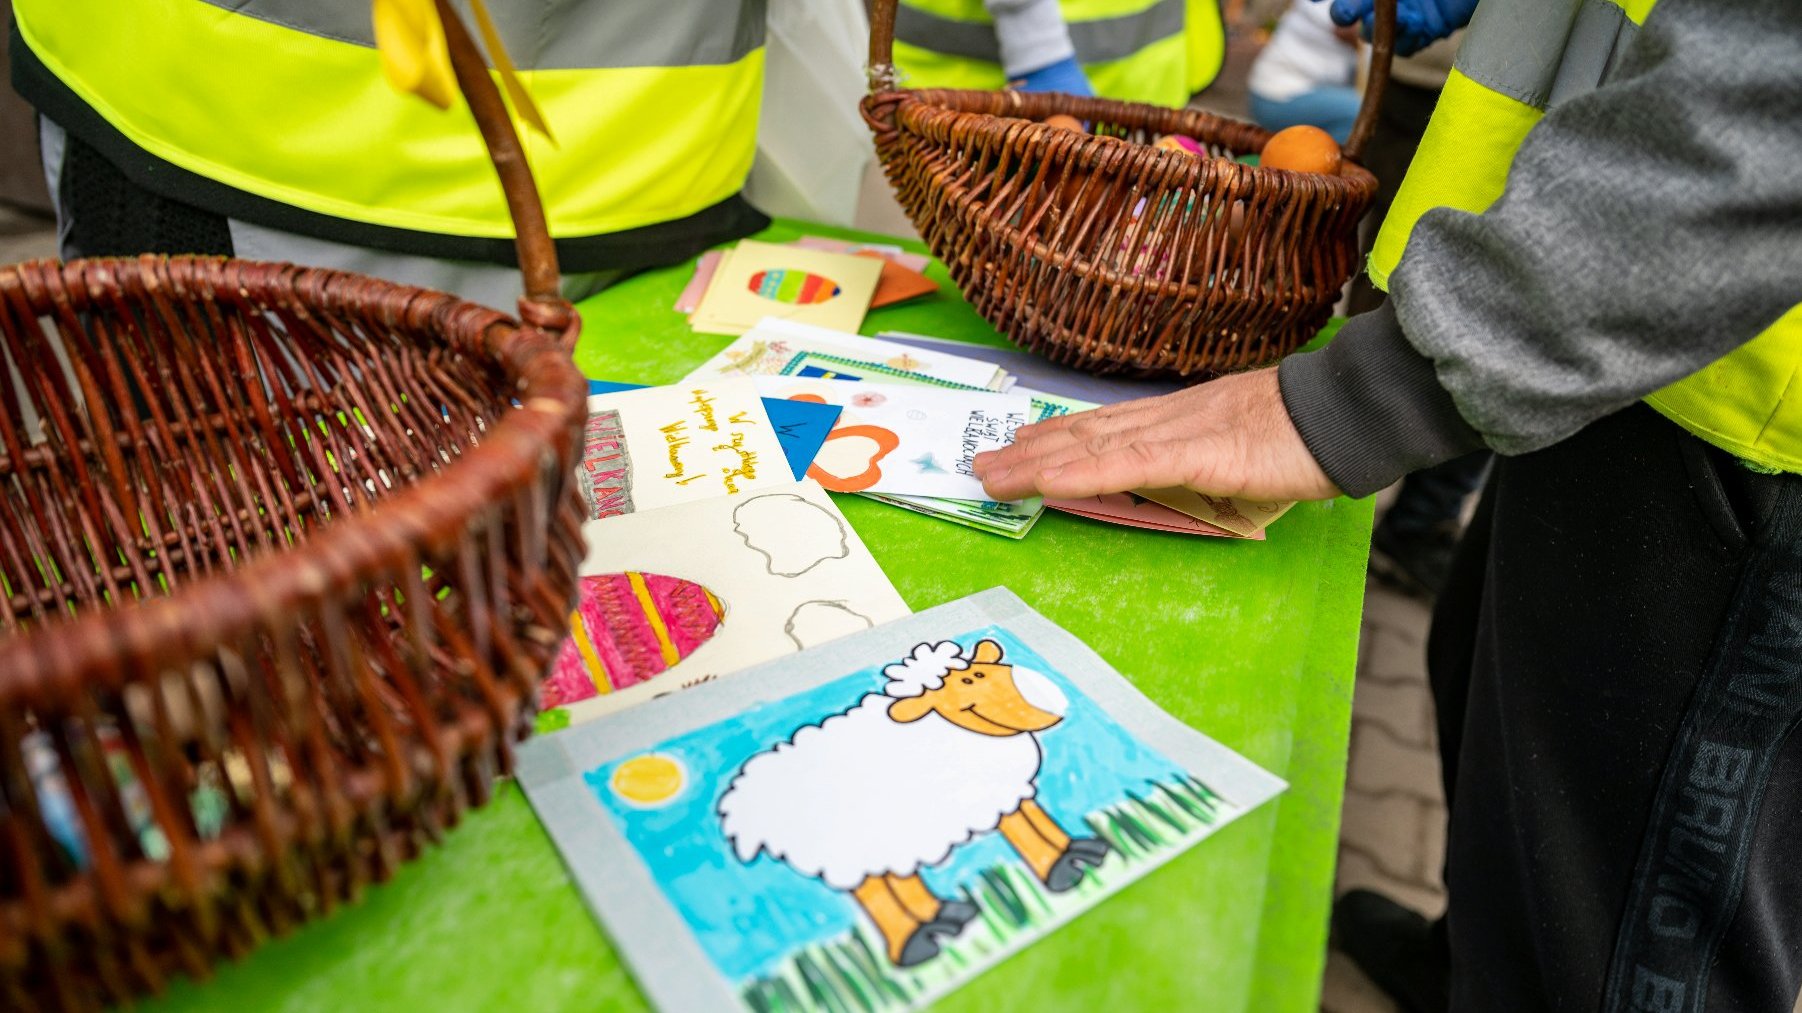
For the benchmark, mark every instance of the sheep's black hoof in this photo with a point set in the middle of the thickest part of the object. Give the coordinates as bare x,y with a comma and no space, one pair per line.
923,944
955,913
1083,854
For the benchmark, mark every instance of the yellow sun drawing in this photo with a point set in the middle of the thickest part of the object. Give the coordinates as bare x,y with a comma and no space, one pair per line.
649,781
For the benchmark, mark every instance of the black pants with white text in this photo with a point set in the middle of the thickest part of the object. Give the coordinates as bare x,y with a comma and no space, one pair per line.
1617,665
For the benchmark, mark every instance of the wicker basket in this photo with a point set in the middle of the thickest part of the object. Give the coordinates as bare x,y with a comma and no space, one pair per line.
1105,253
283,557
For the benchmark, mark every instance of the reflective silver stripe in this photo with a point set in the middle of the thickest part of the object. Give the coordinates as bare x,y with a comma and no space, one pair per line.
1100,41
561,34
1544,52
1593,40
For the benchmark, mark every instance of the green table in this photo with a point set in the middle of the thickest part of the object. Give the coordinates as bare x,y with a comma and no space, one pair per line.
1253,643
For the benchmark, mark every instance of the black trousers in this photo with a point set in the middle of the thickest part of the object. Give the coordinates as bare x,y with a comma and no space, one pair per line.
1617,665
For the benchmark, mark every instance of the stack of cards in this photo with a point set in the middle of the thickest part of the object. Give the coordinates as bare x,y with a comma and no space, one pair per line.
755,280
902,275
780,348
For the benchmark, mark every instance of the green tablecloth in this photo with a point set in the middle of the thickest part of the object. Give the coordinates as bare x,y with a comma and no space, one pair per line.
1253,643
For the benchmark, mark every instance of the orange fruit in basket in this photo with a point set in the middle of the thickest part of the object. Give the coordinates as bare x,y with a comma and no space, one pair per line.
1066,121
1302,149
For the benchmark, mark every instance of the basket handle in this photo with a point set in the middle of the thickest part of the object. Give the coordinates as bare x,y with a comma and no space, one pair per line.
531,232
882,46
882,65
1382,54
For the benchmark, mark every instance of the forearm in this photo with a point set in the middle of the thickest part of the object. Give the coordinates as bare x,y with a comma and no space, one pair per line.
1031,33
1646,230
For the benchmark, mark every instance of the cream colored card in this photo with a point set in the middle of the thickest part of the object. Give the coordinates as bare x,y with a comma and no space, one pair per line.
1240,516
674,597
688,441
757,280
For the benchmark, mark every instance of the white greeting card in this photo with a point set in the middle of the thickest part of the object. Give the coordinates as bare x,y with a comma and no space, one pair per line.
905,440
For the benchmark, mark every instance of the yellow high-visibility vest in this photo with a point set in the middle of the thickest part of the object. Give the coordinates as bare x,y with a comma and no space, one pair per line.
1156,51
654,106
1519,59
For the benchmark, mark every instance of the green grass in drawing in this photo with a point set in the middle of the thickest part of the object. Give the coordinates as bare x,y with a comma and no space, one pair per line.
850,974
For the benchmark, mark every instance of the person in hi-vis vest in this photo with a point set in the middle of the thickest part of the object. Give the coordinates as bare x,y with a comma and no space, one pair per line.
284,142
1594,266
266,129
1156,51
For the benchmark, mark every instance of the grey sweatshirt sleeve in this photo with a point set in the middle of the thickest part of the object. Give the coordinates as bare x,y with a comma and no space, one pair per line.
1032,34
1647,229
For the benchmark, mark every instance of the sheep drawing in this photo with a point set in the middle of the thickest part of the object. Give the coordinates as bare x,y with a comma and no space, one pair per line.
867,798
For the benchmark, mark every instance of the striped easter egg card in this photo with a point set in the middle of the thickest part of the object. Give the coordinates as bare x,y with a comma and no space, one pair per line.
756,280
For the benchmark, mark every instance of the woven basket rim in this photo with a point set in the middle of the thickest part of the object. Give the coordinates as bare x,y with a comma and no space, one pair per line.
1098,151
1352,175
111,647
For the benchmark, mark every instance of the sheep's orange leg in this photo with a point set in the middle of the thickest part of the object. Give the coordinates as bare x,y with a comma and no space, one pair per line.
893,920
1046,826
1059,860
916,898
1037,852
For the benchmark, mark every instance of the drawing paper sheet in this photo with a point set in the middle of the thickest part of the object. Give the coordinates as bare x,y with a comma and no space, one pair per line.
727,873
773,346
904,440
658,446
755,280
674,597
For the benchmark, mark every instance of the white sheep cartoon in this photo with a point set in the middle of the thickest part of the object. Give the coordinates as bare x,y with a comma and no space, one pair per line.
867,798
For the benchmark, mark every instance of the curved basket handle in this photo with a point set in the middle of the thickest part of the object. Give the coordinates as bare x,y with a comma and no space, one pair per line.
532,233
1382,54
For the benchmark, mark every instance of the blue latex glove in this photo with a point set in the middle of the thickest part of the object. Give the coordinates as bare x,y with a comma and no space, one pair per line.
1418,23
1065,75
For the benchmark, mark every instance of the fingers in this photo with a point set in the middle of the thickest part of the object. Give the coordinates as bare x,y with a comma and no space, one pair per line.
1349,12
1124,457
1139,465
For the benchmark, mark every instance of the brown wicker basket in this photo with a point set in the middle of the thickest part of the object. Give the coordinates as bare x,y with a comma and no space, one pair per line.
283,553
1105,253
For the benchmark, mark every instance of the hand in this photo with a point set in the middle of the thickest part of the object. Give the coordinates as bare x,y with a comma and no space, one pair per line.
1228,437
1418,23
1065,75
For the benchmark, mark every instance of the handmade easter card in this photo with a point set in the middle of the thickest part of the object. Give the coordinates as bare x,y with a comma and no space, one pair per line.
800,427
903,439
656,446
755,280
675,597
871,823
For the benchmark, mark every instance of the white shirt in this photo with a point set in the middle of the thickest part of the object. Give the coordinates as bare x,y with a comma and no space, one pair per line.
1303,55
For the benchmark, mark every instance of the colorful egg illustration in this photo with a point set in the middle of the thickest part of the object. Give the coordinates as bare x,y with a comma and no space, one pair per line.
793,288
628,628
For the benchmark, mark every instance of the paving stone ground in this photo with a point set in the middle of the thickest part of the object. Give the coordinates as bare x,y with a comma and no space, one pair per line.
1392,831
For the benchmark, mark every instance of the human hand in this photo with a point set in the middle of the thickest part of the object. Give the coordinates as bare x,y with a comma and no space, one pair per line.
1418,23
1065,75
1227,437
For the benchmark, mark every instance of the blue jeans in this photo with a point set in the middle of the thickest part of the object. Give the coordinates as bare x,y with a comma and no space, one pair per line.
1330,108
